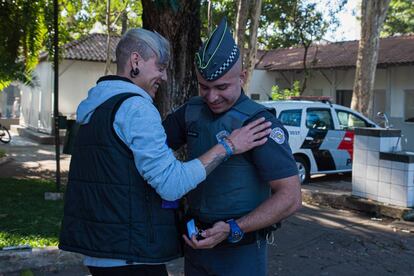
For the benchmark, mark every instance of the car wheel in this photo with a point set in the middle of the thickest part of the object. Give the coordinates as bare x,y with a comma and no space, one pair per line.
303,168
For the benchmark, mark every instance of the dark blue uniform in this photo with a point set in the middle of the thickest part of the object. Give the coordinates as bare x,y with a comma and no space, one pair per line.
271,161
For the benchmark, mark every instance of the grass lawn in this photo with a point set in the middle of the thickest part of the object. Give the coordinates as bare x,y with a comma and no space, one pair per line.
2,153
25,217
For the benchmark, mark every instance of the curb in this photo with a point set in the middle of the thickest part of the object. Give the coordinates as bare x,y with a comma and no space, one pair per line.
49,257
344,200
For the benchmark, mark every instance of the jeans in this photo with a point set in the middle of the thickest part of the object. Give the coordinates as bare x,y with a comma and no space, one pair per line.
250,259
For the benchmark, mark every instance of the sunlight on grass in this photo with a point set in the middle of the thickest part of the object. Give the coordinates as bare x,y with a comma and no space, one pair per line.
25,217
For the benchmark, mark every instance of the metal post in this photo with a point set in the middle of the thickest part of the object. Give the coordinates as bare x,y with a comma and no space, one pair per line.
56,91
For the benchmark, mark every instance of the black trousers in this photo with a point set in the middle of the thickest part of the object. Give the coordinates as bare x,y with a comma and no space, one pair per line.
129,270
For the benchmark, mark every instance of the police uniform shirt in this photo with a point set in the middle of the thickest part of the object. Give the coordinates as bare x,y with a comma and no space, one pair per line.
273,160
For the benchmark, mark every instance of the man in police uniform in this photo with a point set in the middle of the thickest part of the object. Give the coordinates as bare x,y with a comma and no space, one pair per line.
233,205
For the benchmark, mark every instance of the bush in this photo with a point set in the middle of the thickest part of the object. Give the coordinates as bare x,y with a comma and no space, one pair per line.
285,94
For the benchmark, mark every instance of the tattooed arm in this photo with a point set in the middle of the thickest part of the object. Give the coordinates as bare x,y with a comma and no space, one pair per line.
240,140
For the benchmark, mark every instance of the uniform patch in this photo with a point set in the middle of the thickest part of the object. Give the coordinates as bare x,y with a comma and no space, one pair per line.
222,134
277,135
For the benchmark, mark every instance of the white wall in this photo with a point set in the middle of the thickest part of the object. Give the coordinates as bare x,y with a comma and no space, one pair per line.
261,83
401,78
75,79
327,81
36,103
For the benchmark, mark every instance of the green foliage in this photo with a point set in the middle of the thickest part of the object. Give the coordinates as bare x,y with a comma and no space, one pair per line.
286,93
282,23
26,218
2,153
27,29
400,18
220,9
26,272
79,17
21,38
302,25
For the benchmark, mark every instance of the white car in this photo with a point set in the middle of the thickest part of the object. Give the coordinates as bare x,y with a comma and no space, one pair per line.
320,134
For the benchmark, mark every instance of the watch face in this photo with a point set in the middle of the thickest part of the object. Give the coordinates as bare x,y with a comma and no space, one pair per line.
236,234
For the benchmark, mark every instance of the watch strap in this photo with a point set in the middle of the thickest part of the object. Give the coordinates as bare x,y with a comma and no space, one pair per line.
236,234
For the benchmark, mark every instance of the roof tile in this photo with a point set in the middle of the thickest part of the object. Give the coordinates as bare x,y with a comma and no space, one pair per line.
393,50
91,48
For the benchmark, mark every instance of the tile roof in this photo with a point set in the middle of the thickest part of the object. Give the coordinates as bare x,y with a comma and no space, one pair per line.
91,48
398,50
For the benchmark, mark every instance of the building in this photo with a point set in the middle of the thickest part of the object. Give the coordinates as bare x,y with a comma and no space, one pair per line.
332,73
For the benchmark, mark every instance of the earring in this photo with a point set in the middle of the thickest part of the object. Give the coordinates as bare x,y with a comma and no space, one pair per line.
134,72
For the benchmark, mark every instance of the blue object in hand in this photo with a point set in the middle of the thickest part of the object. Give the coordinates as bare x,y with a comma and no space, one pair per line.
191,228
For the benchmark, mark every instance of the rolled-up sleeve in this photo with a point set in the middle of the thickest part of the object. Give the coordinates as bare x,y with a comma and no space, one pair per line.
138,124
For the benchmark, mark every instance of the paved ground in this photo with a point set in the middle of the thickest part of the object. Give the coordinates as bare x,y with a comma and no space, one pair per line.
31,160
324,241
316,241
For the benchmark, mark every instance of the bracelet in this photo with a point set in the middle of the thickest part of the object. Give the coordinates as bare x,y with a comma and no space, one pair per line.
230,142
229,151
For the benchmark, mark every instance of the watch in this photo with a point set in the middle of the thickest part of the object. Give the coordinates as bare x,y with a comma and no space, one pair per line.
236,234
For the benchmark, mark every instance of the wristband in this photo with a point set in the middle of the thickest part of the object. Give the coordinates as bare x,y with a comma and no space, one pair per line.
230,142
229,151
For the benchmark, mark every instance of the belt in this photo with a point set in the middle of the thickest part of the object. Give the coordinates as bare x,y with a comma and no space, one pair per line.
248,238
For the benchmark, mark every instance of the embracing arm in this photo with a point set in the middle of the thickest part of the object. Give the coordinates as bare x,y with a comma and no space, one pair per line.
138,124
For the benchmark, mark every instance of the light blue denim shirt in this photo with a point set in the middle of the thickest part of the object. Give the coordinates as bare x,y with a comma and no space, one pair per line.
138,124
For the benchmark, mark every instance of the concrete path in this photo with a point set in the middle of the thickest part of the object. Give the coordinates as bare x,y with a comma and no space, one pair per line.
27,159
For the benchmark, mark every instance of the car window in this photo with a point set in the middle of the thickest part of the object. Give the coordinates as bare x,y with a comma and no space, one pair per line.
291,117
319,118
348,120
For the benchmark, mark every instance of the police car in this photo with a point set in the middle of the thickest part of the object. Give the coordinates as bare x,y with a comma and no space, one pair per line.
321,134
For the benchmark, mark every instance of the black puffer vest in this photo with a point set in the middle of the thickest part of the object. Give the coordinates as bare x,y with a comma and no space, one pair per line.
110,211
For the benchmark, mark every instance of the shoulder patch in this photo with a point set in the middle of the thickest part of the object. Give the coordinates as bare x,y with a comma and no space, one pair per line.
277,135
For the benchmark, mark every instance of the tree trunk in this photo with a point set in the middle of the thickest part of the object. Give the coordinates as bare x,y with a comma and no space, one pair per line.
243,7
372,18
305,67
108,39
182,29
252,49
124,21
209,17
